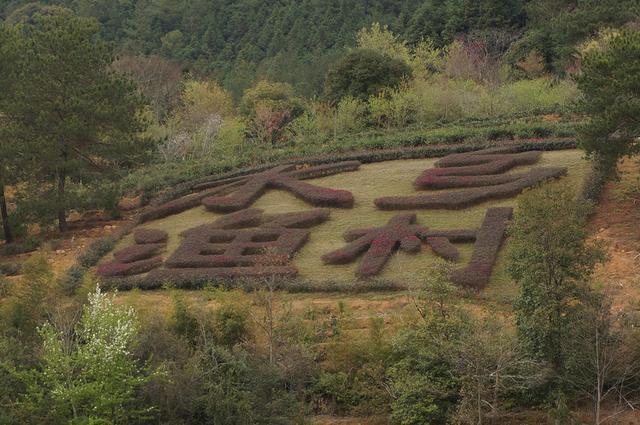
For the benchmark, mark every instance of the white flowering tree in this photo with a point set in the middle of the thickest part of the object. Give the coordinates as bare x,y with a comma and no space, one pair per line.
93,375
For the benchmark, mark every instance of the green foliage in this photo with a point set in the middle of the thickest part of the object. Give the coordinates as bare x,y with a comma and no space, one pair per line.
557,27
551,261
423,378
26,305
184,323
269,107
611,87
83,116
230,325
92,376
362,73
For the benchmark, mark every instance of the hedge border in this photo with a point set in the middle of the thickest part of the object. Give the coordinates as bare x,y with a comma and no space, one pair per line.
366,157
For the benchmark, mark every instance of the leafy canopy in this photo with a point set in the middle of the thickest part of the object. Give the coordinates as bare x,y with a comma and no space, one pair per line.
362,73
610,83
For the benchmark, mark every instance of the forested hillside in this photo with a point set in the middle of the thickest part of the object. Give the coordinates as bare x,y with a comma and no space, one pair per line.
418,212
295,41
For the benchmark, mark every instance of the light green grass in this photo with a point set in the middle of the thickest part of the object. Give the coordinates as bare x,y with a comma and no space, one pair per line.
391,178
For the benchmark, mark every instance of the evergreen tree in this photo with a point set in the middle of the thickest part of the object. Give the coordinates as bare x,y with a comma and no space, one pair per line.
551,261
8,58
81,115
362,73
610,82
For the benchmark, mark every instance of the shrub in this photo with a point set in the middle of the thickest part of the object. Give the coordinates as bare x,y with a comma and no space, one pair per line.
350,115
277,97
10,268
536,96
135,253
94,252
393,108
489,239
306,129
362,73
116,268
150,236
73,279
28,244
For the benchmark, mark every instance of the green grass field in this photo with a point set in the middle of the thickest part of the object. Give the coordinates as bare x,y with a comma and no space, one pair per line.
372,181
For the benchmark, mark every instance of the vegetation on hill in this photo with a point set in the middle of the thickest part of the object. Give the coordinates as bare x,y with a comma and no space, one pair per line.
104,98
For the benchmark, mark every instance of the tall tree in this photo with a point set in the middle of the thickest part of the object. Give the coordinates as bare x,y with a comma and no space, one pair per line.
83,116
8,58
551,260
610,82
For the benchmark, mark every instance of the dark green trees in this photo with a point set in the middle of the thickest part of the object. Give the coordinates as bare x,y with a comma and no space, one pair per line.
610,82
8,56
362,73
81,117
551,261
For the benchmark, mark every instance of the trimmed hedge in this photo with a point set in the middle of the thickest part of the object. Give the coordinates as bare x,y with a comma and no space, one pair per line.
235,248
227,249
465,198
197,277
489,238
378,244
135,259
442,247
285,177
476,169
178,205
365,157
478,172
134,253
150,236
116,268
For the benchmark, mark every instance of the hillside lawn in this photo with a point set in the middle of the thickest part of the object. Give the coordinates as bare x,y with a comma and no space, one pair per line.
371,181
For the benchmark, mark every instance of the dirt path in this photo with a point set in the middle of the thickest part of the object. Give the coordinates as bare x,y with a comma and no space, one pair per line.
617,224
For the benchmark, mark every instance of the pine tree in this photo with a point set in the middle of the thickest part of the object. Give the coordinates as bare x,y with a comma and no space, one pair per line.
81,115
610,82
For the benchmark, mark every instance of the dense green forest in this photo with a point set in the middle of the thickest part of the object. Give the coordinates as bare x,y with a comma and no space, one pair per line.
236,42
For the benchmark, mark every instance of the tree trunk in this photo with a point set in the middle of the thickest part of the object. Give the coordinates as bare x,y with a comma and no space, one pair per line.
6,227
62,213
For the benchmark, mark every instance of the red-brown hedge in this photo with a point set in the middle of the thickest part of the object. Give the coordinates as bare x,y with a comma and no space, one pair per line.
179,205
134,253
150,236
489,239
454,200
444,248
192,278
235,248
288,178
378,244
116,268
